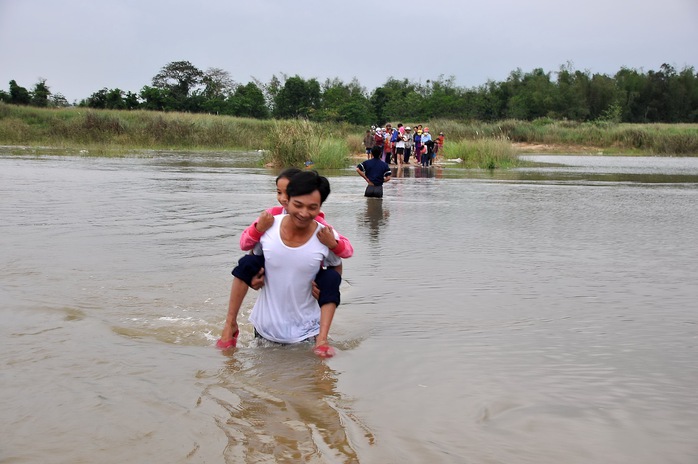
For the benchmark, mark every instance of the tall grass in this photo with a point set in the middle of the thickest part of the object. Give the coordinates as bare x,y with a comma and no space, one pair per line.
296,142
288,143
483,153
82,128
651,139
300,142
333,154
292,143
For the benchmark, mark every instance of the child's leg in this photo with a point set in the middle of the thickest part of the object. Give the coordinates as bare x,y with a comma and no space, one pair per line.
328,282
322,346
247,268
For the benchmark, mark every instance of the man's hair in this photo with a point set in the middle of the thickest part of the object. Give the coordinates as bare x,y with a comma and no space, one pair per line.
376,151
306,182
287,173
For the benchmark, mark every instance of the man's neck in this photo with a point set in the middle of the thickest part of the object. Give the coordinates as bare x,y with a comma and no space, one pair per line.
293,235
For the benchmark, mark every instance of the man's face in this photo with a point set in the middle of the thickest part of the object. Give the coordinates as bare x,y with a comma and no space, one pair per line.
303,208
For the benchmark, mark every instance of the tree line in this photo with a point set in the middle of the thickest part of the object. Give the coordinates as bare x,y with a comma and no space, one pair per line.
630,95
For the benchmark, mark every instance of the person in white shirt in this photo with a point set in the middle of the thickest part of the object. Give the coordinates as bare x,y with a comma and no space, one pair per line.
295,248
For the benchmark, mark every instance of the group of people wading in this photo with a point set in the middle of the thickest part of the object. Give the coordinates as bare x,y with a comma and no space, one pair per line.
399,144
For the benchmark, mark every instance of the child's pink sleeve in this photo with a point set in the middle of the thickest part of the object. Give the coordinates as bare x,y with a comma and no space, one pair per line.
343,248
251,236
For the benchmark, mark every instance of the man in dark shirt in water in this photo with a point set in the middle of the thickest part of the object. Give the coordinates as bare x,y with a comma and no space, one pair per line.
375,172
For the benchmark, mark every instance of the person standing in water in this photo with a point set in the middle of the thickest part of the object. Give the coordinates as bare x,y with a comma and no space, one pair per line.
295,248
249,273
376,172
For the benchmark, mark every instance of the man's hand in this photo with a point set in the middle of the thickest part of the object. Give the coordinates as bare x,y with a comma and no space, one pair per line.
326,237
316,291
257,281
264,222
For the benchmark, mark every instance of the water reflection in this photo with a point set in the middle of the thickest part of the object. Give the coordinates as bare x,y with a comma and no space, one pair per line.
291,414
417,172
375,216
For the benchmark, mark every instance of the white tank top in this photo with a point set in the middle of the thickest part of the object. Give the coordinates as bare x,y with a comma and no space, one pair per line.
285,311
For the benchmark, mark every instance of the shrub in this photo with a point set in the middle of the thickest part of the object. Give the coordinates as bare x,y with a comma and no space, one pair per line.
293,142
331,155
484,153
355,143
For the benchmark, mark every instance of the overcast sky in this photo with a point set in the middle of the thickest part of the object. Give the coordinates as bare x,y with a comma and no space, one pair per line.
82,46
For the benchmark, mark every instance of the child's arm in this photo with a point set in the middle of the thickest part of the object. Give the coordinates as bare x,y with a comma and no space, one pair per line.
251,236
343,248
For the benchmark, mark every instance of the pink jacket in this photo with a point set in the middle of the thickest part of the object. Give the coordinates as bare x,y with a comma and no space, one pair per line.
251,236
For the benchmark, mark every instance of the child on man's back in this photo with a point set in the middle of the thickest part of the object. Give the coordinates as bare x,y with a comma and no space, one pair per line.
250,269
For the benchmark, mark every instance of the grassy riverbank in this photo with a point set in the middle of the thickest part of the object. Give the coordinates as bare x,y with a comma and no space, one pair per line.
477,144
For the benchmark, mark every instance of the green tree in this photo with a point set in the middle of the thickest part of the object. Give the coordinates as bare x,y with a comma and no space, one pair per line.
357,109
18,94
344,102
40,94
601,95
97,99
334,94
218,86
270,90
630,86
572,91
179,79
115,99
532,94
378,99
248,101
131,100
58,100
397,100
487,102
444,99
155,99
297,98
217,83
112,99
688,81
667,96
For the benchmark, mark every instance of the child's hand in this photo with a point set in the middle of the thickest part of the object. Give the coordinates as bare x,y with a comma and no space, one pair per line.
326,237
265,221
257,281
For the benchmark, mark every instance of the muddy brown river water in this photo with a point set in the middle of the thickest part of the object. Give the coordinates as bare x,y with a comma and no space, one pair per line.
546,314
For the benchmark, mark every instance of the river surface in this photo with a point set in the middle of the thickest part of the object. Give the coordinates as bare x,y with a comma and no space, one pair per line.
545,314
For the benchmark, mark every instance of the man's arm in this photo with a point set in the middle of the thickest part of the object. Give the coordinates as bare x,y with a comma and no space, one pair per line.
360,170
